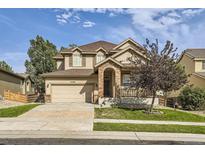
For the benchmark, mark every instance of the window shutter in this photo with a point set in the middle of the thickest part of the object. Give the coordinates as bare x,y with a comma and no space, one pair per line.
84,61
71,61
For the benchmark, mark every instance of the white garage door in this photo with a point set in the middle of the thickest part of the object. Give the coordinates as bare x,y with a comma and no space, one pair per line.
71,93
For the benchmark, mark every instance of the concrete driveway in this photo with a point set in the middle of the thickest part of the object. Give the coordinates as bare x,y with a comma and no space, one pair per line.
53,116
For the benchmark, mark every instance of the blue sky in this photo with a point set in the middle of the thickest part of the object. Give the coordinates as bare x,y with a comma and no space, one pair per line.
184,27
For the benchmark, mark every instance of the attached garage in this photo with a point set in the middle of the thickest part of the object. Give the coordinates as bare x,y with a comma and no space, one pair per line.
71,93
72,85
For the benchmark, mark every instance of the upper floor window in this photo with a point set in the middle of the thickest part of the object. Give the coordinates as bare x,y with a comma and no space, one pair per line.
203,65
126,79
77,59
99,57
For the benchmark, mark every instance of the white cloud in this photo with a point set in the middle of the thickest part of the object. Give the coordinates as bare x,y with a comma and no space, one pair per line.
111,14
118,34
72,15
165,24
88,24
192,12
67,17
153,18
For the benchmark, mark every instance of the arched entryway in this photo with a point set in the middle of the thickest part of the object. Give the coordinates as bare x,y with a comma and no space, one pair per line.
111,71
109,83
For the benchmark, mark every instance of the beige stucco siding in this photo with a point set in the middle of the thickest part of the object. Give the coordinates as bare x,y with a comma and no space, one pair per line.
60,64
197,81
66,62
9,82
188,63
89,61
127,44
124,57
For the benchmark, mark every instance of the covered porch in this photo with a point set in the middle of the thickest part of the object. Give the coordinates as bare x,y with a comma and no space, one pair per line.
112,79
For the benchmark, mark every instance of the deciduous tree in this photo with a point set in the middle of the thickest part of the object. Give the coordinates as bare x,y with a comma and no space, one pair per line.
160,72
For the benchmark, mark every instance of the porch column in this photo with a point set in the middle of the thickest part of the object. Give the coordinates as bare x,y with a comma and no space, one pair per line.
117,79
100,81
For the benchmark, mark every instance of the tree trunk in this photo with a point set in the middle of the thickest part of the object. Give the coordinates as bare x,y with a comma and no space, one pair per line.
152,105
165,99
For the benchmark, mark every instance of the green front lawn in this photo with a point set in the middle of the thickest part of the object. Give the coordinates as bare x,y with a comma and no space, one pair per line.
169,115
148,128
16,111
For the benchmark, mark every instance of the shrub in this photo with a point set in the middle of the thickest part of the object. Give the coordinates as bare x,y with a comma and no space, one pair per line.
192,98
131,103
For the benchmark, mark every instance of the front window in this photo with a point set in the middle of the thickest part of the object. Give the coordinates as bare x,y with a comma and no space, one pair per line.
126,79
203,65
77,59
99,57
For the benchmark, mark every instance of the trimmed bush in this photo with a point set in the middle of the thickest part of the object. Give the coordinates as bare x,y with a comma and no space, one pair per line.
192,98
131,103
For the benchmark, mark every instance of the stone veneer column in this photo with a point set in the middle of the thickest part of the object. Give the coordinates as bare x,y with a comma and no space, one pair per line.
117,79
100,81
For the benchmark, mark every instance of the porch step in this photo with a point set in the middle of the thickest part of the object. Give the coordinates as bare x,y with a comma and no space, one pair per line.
105,101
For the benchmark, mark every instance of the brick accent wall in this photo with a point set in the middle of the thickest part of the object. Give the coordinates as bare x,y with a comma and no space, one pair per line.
101,70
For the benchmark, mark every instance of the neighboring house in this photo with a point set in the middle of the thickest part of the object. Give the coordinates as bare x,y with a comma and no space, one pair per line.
13,82
194,62
28,85
91,72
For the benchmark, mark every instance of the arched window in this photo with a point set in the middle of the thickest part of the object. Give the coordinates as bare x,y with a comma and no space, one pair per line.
99,57
77,59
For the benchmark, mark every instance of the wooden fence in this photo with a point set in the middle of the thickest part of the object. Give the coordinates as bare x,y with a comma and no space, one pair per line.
8,95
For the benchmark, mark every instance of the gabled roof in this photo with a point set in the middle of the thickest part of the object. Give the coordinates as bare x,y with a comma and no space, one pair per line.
70,73
128,40
58,56
93,47
109,59
23,75
193,53
11,73
200,74
196,53
76,48
101,49
126,49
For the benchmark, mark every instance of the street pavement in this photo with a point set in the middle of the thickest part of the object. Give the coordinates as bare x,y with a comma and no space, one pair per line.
97,137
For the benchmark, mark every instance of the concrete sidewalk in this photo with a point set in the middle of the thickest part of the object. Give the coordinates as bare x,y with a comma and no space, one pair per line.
137,136
149,122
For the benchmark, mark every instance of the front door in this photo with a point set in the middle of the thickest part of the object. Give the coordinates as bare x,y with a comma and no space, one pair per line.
107,92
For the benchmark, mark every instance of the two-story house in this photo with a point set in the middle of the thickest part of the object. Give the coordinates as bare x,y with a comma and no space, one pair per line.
194,62
91,72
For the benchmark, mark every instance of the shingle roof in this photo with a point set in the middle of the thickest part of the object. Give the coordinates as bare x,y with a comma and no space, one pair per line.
11,73
202,74
70,73
23,75
94,46
196,53
58,55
